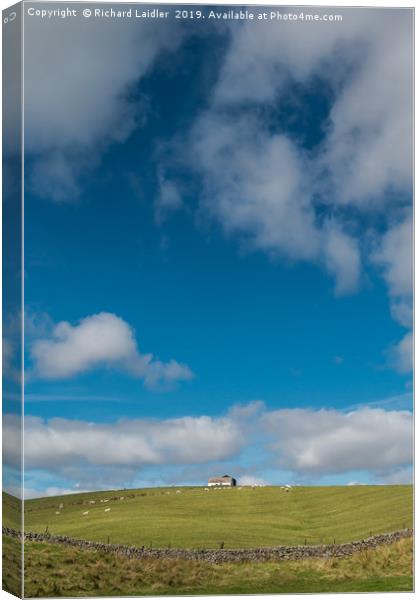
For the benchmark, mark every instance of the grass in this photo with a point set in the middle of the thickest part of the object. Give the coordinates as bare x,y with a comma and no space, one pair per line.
12,511
12,566
241,518
54,570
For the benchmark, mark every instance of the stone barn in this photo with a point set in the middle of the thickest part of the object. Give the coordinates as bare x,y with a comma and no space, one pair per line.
224,481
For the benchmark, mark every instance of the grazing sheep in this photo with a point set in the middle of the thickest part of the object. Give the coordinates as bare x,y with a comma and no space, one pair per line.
86,512
206,489
61,506
107,510
57,512
178,491
122,498
91,501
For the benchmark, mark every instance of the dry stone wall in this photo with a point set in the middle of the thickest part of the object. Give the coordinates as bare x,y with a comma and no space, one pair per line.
221,556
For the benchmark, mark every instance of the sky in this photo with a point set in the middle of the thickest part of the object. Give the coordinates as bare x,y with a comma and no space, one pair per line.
218,253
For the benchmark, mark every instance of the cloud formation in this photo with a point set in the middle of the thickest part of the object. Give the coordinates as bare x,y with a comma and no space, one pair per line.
58,443
257,186
77,93
276,195
100,340
394,255
330,441
402,354
305,443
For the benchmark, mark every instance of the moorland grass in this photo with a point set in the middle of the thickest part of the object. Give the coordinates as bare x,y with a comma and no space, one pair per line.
12,566
11,511
239,518
53,570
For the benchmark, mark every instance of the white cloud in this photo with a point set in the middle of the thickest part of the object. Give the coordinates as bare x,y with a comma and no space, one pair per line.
306,444
402,354
58,443
99,340
258,186
254,185
168,199
77,89
394,255
342,259
369,149
369,141
251,480
263,186
329,441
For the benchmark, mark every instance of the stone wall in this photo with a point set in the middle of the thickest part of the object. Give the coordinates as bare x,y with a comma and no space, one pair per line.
219,556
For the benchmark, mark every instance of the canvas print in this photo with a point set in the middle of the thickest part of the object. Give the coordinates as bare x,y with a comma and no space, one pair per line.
207,312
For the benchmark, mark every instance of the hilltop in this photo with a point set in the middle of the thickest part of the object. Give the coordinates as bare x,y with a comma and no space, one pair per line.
188,517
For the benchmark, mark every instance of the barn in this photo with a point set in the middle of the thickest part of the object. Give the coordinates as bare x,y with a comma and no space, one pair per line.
223,481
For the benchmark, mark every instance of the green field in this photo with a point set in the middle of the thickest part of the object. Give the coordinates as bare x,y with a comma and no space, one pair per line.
238,518
52,570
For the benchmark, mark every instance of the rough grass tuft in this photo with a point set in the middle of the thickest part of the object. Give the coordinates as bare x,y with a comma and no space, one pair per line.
82,572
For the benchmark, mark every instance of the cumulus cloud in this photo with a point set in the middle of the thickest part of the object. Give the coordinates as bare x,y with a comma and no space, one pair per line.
58,443
369,142
342,257
329,441
401,354
257,186
264,186
394,255
77,92
99,340
306,444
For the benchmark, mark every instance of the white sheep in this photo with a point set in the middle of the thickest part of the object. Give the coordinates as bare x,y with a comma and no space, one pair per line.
57,512
107,510
86,512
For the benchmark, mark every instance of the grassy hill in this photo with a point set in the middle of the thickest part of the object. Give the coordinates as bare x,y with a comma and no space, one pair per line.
12,511
239,518
52,570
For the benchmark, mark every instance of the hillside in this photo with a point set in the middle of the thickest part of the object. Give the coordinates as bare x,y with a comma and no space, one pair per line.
92,573
238,518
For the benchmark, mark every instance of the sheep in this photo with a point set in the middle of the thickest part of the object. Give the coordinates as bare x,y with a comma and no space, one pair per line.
85,513
107,510
57,512
91,501
122,498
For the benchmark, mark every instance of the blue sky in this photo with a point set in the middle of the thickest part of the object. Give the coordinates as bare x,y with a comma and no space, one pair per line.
226,238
